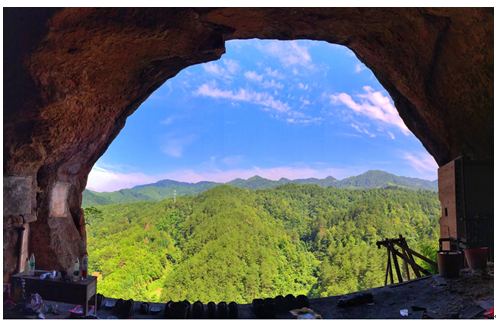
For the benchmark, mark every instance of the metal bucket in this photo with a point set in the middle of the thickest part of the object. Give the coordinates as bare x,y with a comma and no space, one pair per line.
449,263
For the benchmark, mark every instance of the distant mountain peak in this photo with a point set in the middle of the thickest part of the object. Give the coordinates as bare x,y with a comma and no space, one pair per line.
164,188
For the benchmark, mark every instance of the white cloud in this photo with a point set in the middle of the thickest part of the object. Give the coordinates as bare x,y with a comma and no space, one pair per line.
272,84
359,67
422,162
101,179
213,68
252,75
302,86
232,160
392,135
362,130
231,65
174,145
289,52
295,71
231,68
259,98
168,121
274,73
373,105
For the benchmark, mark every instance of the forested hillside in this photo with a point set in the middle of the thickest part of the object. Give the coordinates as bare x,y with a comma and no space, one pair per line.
232,244
165,188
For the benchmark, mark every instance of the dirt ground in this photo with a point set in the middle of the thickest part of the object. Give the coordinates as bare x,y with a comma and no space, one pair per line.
468,296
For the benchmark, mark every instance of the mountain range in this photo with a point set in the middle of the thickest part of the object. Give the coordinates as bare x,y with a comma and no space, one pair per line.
165,188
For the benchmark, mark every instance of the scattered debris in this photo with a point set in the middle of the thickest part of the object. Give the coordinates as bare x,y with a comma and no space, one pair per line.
355,299
440,281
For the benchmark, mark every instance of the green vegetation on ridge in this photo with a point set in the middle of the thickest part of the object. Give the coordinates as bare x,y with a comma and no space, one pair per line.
232,244
165,188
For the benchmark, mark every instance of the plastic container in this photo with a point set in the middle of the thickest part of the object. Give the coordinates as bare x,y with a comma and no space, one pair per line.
84,267
75,278
476,258
31,265
449,263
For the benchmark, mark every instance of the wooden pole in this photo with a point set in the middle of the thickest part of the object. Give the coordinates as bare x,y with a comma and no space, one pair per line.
413,264
390,266
387,268
403,241
434,264
398,272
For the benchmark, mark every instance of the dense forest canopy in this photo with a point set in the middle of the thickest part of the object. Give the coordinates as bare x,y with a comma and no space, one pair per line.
233,244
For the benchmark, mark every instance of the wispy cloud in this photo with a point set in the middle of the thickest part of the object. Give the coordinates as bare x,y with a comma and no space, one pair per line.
168,121
231,67
259,98
232,160
392,135
289,52
422,162
359,67
252,75
274,74
362,130
303,86
373,105
272,84
174,144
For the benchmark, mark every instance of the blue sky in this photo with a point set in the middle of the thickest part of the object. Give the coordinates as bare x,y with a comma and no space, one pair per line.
293,109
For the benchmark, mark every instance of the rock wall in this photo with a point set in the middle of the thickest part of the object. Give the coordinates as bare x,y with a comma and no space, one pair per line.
72,76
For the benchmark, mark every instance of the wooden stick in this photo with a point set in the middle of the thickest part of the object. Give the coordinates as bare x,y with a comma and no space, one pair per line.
387,268
417,273
406,265
413,264
434,264
398,272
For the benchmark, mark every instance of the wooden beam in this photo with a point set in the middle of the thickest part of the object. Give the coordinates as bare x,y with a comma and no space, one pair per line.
417,272
398,272
434,264
406,265
413,264
387,268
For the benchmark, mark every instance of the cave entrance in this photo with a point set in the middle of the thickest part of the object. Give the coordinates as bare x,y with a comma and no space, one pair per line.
274,109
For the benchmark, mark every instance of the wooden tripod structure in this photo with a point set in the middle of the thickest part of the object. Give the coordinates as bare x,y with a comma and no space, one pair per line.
407,256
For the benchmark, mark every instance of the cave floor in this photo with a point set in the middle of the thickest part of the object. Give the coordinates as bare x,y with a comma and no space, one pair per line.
468,296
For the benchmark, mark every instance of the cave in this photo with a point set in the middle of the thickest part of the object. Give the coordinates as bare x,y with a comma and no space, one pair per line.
73,75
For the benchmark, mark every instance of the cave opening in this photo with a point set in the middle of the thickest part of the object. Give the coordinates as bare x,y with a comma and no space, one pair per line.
67,96
268,109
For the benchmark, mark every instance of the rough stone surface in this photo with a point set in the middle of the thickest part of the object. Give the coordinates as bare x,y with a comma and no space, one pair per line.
72,77
17,195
